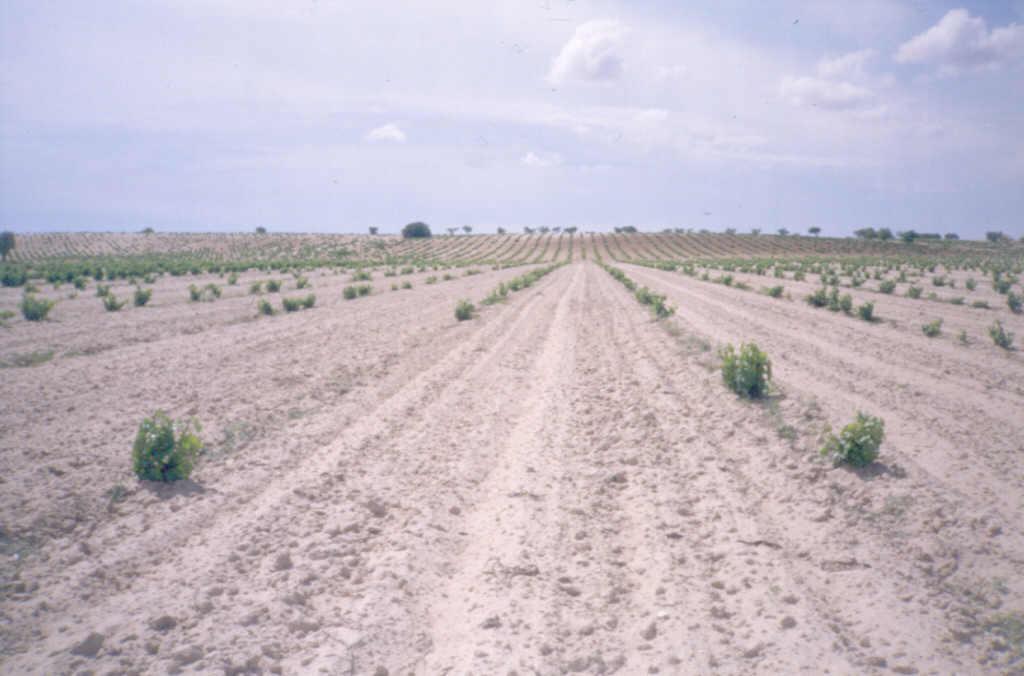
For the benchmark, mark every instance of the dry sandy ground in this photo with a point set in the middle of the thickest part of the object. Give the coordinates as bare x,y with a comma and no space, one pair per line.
562,485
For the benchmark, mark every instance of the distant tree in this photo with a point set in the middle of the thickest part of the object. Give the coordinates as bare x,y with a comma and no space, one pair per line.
814,230
556,229
908,236
783,232
629,228
416,229
571,230
261,230
501,231
467,229
148,231
373,230
544,229
7,243
452,231
994,236
952,235
755,231
884,234
618,230
528,230
866,233
730,231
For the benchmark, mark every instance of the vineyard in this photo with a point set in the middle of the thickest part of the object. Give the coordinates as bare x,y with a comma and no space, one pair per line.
530,453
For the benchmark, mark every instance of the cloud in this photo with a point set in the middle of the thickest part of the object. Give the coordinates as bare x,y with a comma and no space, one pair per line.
592,54
960,41
541,160
822,93
388,133
846,66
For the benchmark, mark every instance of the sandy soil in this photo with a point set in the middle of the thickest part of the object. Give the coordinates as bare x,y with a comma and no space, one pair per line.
562,485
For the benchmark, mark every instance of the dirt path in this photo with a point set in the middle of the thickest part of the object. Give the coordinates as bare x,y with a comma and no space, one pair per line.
560,486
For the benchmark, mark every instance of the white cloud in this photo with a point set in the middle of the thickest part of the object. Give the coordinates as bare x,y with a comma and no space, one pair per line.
846,66
593,54
823,93
388,133
961,41
541,160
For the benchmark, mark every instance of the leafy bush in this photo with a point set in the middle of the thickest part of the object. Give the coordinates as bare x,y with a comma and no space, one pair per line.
361,276
164,450
195,294
291,304
142,296
914,292
747,372
971,284
308,301
364,289
407,284
13,277
959,300
273,285
211,291
775,291
464,310
79,283
301,282
1000,336
431,280
866,311
1002,285
233,278
980,304
102,290
35,309
264,307
255,288
112,304
887,286
349,292
1014,302
857,443
846,303
819,298
932,329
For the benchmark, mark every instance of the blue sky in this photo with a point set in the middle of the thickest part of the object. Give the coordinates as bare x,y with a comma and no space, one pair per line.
334,115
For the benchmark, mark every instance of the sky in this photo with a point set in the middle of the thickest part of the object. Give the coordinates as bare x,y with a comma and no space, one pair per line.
337,115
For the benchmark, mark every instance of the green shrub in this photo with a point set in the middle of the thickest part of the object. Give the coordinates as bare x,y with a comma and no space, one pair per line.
1013,301
79,283
914,292
102,290
264,307
349,292
361,276
407,284
112,304
846,303
195,294
819,298
291,304
211,291
464,310
980,304
1002,285
431,280
932,329
142,296
833,300
748,372
308,301
35,309
273,285
256,288
887,286
364,289
233,278
959,300
164,450
149,278
447,278
301,282
857,443
1000,336
775,291
13,277
866,312
938,281
971,284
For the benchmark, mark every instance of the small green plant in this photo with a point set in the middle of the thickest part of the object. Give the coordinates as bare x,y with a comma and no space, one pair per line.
102,290
35,309
1000,336
431,280
464,310
914,292
932,329
887,286
819,298
265,308
1014,302
165,450
212,291
857,443
361,276
301,282
350,292
846,303
407,284
291,304
775,291
308,301
195,294
273,285
79,283
256,288
958,300
233,278
112,304
142,296
971,284
866,311
962,337
149,278
364,289
447,277
747,372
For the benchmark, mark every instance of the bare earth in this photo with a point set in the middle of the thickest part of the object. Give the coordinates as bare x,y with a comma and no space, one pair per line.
562,485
